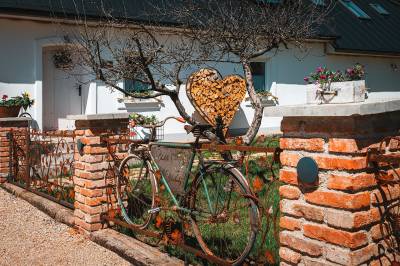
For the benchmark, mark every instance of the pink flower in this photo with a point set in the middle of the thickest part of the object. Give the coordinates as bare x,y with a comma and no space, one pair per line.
4,97
306,79
322,77
319,69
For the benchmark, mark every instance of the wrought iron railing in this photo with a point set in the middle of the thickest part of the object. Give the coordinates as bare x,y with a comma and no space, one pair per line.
43,162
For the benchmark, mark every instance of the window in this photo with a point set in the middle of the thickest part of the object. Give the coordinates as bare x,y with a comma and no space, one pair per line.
270,1
258,71
319,2
379,8
355,9
135,86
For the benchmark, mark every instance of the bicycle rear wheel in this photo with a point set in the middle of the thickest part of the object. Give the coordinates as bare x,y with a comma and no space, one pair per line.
136,191
225,220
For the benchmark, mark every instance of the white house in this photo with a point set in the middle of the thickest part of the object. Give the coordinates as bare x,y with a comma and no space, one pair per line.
366,32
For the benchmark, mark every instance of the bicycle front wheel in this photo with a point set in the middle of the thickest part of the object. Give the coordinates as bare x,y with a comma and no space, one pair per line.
225,217
136,191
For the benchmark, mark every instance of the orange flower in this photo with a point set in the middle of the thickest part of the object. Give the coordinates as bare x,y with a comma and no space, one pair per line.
270,258
159,221
239,141
258,184
71,193
157,174
176,236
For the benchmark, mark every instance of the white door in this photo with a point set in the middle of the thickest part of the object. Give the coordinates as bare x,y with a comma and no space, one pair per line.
62,92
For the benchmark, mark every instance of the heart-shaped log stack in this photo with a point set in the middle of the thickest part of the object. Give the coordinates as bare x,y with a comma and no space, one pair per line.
213,96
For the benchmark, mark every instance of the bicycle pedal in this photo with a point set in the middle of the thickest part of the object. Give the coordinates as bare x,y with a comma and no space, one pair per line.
154,210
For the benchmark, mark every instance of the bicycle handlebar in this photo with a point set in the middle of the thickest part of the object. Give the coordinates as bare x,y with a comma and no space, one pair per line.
179,119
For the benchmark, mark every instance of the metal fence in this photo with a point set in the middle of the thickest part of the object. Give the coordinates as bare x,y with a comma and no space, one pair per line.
42,162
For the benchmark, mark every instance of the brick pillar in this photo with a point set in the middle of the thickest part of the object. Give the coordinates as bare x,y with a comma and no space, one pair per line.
91,166
338,221
6,126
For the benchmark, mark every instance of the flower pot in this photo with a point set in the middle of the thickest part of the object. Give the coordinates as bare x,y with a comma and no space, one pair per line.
9,111
338,92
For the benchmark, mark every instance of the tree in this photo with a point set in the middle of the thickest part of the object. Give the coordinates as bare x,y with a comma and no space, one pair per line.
247,29
151,53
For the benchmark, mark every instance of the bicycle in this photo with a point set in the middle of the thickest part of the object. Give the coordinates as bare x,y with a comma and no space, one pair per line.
216,199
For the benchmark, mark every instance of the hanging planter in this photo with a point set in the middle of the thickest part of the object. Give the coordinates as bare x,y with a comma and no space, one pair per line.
326,86
63,60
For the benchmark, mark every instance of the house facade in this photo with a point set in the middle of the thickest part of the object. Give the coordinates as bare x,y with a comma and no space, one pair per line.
29,37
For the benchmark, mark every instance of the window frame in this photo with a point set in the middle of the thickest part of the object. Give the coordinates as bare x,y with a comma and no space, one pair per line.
355,9
379,8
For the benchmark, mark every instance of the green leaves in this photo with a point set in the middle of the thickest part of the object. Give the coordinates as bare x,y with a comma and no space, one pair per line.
24,100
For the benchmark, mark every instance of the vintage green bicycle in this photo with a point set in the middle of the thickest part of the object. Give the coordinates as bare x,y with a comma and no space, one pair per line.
213,196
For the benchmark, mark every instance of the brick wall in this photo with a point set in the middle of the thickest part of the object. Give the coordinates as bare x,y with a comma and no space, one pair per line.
338,221
6,126
91,178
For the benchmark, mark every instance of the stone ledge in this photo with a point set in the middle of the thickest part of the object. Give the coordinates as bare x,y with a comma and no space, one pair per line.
8,119
134,251
99,116
370,106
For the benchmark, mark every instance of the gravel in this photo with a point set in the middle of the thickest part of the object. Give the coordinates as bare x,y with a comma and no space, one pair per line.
30,237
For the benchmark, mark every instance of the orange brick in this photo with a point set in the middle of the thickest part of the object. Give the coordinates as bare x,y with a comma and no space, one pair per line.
310,212
91,227
344,256
288,176
91,140
379,231
92,210
339,199
343,145
79,132
290,223
299,244
313,144
350,220
329,162
289,255
386,193
351,182
289,192
334,236
95,150
91,192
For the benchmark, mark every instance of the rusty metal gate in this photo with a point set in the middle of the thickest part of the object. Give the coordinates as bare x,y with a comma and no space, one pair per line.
42,162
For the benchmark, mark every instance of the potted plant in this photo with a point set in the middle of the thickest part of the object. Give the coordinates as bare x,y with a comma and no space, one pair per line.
10,107
326,86
136,123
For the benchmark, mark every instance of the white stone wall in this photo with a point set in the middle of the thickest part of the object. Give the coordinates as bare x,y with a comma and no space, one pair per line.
21,70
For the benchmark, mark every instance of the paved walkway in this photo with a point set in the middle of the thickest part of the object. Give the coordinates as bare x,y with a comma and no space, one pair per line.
30,237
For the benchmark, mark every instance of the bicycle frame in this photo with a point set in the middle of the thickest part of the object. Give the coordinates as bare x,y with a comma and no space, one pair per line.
188,169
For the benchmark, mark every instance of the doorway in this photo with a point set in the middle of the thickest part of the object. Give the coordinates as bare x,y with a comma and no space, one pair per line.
63,91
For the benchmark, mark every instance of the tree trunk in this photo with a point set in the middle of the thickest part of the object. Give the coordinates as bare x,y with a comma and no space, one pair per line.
256,103
181,109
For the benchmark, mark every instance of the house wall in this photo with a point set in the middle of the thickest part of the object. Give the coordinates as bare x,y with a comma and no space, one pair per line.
21,70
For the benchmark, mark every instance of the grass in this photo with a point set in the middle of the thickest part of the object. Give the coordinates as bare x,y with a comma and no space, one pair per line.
266,248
